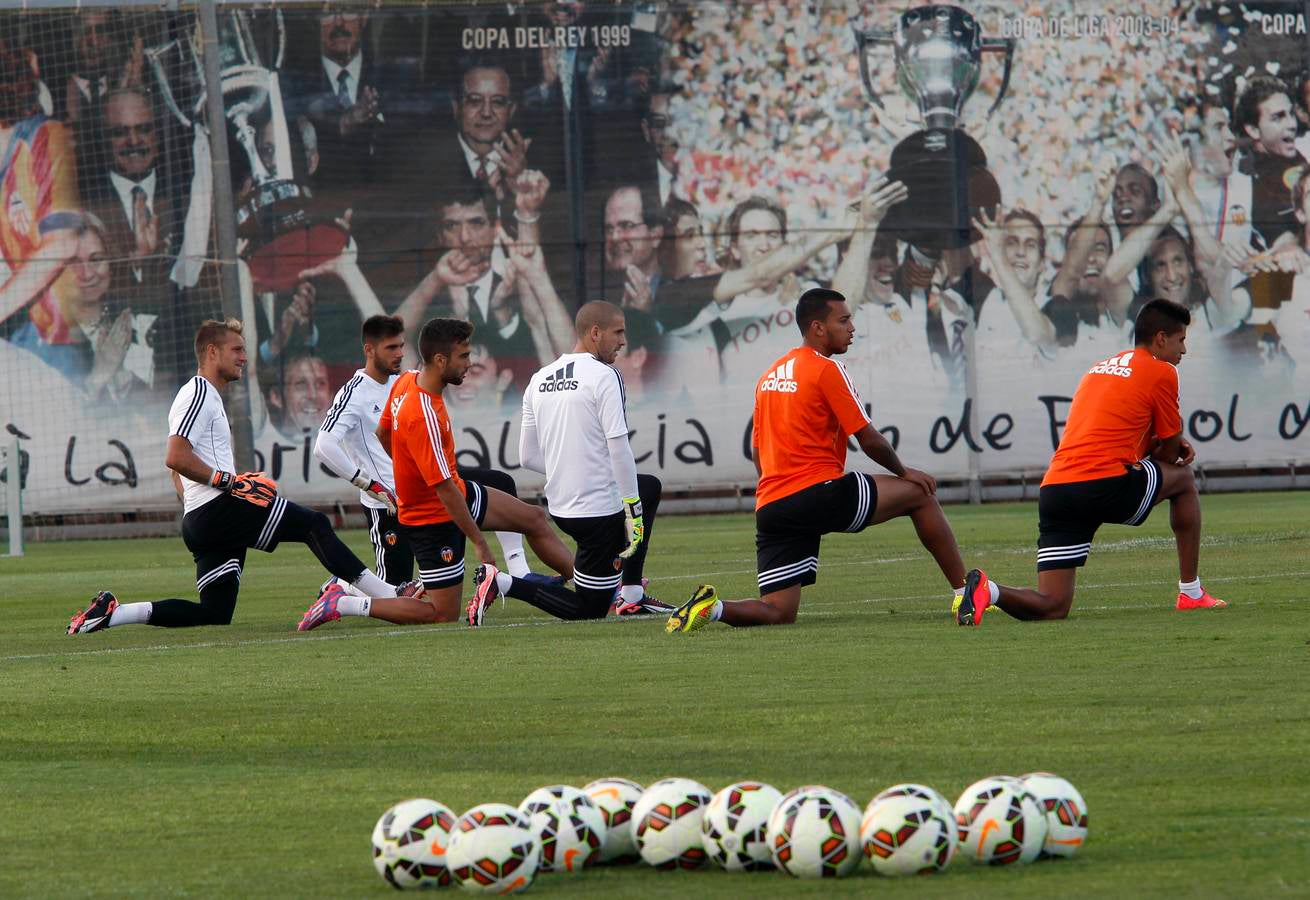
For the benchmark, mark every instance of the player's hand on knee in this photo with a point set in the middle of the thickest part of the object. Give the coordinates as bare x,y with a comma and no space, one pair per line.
922,479
635,524
377,490
254,487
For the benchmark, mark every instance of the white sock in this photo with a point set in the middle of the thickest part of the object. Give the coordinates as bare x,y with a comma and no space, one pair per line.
503,582
516,561
993,591
1191,588
373,586
354,606
717,611
959,591
632,593
131,614
346,586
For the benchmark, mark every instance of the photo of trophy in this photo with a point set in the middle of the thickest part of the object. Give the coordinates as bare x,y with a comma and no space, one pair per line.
938,57
282,233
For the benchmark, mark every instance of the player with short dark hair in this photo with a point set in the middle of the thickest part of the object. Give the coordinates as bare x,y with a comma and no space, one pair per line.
575,431
348,445
805,409
438,508
226,513
1122,452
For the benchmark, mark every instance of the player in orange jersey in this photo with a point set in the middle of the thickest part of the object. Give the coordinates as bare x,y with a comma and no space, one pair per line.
805,409
438,509
1122,452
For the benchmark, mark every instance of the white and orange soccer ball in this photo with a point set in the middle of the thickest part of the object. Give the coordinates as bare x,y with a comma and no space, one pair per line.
568,825
666,824
908,833
735,829
409,844
815,834
1000,822
615,798
493,850
1066,813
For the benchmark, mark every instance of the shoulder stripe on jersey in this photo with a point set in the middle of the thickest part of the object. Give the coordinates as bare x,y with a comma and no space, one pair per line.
850,386
189,420
343,398
623,393
434,434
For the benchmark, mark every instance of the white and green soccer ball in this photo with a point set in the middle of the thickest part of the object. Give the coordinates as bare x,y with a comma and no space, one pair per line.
1066,813
569,827
493,850
1000,822
409,844
815,834
735,829
666,824
908,833
615,798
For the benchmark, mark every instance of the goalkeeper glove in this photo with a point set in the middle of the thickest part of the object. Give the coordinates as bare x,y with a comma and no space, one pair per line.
636,526
375,489
253,487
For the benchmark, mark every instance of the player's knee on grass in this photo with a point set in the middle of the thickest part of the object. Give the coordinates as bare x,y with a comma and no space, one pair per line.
780,608
218,601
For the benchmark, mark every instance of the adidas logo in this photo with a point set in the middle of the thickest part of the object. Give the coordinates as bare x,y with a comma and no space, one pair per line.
1115,365
377,409
559,380
780,379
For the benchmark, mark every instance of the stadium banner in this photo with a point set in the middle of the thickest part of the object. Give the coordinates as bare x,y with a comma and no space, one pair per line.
700,165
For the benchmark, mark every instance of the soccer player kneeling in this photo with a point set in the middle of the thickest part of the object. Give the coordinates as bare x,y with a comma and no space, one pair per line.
805,408
226,513
1122,452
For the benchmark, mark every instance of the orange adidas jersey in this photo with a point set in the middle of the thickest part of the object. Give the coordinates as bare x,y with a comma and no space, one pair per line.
1121,406
38,194
422,450
805,408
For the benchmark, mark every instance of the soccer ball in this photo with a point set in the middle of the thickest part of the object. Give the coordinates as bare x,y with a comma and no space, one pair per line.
615,798
568,825
908,834
816,834
735,828
1000,822
1066,813
923,792
785,800
493,850
409,844
666,823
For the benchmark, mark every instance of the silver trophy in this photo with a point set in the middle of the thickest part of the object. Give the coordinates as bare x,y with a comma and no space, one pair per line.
938,57
274,212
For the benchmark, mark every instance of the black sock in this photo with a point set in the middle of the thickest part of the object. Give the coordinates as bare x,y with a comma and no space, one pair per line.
561,602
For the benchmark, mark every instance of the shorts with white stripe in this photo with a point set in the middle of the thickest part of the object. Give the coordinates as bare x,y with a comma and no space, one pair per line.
788,531
439,548
597,569
395,559
1069,514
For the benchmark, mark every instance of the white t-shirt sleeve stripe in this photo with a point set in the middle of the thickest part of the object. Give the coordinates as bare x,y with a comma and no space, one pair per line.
188,420
610,405
434,435
339,405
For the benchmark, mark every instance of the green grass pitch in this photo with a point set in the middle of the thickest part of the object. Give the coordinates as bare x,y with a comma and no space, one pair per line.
253,761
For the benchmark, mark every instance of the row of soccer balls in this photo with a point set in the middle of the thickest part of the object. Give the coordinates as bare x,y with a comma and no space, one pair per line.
811,832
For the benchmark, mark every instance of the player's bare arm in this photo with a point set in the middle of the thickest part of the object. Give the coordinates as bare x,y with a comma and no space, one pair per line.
182,459
458,508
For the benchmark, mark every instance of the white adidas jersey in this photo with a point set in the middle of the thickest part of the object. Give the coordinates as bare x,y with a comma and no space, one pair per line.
197,414
353,418
577,404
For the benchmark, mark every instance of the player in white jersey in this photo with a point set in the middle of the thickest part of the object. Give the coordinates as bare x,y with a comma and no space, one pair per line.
226,513
348,444
575,431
